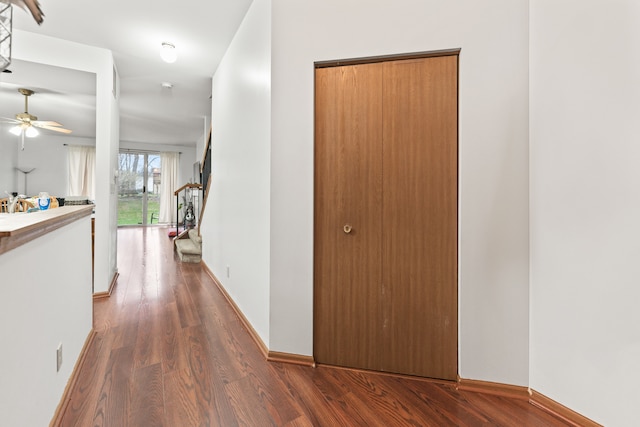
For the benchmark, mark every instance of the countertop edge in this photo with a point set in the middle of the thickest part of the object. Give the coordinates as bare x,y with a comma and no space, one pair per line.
40,223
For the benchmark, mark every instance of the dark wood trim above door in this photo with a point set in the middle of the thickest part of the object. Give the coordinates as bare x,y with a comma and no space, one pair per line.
386,58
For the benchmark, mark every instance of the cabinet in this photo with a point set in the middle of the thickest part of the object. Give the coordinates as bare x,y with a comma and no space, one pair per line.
385,216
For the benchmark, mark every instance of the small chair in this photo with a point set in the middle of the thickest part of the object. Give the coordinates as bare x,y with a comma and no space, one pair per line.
53,202
21,205
154,215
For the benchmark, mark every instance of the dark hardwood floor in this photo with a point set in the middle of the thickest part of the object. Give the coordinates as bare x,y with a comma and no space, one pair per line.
169,351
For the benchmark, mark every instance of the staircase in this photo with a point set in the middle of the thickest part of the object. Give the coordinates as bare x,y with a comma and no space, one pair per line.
190,249
188,244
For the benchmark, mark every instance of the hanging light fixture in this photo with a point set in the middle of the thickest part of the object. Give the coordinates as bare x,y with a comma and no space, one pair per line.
6,15
31,132
168,53
24,129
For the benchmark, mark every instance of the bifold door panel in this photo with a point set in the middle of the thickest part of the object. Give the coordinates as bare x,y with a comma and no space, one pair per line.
385,261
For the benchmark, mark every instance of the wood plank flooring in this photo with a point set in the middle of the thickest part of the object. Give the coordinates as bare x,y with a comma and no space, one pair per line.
169,351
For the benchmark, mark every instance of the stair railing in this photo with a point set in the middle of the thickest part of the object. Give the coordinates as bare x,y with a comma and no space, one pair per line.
196,194
190,206
205,176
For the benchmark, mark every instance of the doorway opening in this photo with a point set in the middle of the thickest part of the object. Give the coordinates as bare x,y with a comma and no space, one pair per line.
139,177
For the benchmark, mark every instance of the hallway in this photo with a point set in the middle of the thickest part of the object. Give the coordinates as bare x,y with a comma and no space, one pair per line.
169,351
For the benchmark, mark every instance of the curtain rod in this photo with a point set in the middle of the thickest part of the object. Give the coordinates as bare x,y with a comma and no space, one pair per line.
135,150
132,150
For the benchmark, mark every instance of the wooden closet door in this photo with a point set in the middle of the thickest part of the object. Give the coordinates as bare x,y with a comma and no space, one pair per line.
385,293
419,242
348,262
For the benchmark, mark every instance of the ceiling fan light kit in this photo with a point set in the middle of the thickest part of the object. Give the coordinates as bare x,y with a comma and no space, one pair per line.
168,53
6,15
31,132
26,124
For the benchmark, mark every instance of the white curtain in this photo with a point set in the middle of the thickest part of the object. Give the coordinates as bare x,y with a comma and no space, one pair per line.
82,170
168,184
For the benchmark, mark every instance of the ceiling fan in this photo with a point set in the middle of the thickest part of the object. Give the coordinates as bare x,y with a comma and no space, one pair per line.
26,124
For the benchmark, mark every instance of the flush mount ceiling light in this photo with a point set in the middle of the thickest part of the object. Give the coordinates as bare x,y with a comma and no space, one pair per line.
167,85
168,53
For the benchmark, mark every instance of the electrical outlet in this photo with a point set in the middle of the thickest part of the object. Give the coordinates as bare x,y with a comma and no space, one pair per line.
59,357
228,271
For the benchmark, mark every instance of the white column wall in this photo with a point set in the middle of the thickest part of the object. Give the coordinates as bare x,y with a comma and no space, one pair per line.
61,53
236,223
585,232
45,300
493,127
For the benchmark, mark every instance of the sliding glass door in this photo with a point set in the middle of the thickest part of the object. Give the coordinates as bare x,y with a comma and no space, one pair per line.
138,188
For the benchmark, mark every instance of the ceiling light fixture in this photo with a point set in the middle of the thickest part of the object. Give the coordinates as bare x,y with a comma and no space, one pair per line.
167,85
168,53
31,132
24,129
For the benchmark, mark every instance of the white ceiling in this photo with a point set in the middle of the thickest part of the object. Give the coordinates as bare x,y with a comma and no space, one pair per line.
134,32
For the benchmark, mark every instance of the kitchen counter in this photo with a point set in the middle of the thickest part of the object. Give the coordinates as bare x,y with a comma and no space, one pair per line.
19,228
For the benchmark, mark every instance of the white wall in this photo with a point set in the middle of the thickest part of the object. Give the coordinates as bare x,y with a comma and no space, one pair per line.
585,152
236,223
61,53
48,155
45,299
8,161
493,139
107,165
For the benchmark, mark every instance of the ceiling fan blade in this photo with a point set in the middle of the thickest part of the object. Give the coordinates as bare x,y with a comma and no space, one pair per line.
8,120
53,128
26,120
45,123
